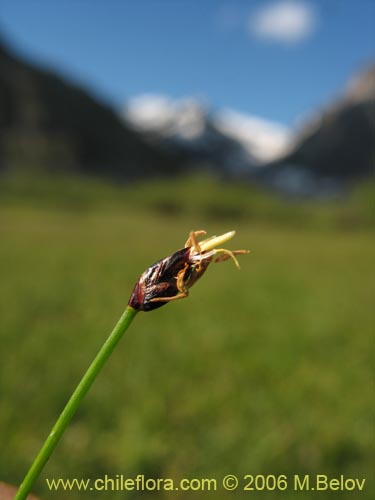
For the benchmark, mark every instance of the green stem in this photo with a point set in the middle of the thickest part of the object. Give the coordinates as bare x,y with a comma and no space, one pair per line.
73,403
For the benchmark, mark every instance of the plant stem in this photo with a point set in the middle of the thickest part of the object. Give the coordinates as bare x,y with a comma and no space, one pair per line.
73,403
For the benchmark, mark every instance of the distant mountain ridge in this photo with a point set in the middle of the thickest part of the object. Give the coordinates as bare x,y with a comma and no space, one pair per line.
50,124
331,150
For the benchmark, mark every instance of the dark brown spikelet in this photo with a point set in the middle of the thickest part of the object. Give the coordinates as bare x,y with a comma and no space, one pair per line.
170,278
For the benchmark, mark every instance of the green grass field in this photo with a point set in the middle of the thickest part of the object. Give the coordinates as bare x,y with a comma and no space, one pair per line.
263,371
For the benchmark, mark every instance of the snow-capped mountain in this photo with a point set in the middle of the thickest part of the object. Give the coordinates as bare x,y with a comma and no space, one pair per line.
265,140
330,150
232,140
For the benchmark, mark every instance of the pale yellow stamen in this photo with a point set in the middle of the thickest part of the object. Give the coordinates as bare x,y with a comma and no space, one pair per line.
214,241
206,249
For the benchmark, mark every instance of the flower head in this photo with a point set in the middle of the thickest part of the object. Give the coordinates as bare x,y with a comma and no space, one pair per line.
172,277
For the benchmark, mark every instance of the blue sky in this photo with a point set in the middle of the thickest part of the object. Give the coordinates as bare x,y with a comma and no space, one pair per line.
277,59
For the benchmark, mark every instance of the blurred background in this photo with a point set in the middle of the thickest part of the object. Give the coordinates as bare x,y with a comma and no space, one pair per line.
123,126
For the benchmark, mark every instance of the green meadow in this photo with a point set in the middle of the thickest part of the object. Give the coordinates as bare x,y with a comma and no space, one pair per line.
267,370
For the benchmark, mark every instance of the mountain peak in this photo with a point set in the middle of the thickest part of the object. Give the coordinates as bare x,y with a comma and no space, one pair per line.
362,86
165,116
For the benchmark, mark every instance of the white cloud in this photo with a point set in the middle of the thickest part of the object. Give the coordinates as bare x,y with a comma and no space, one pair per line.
286,21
